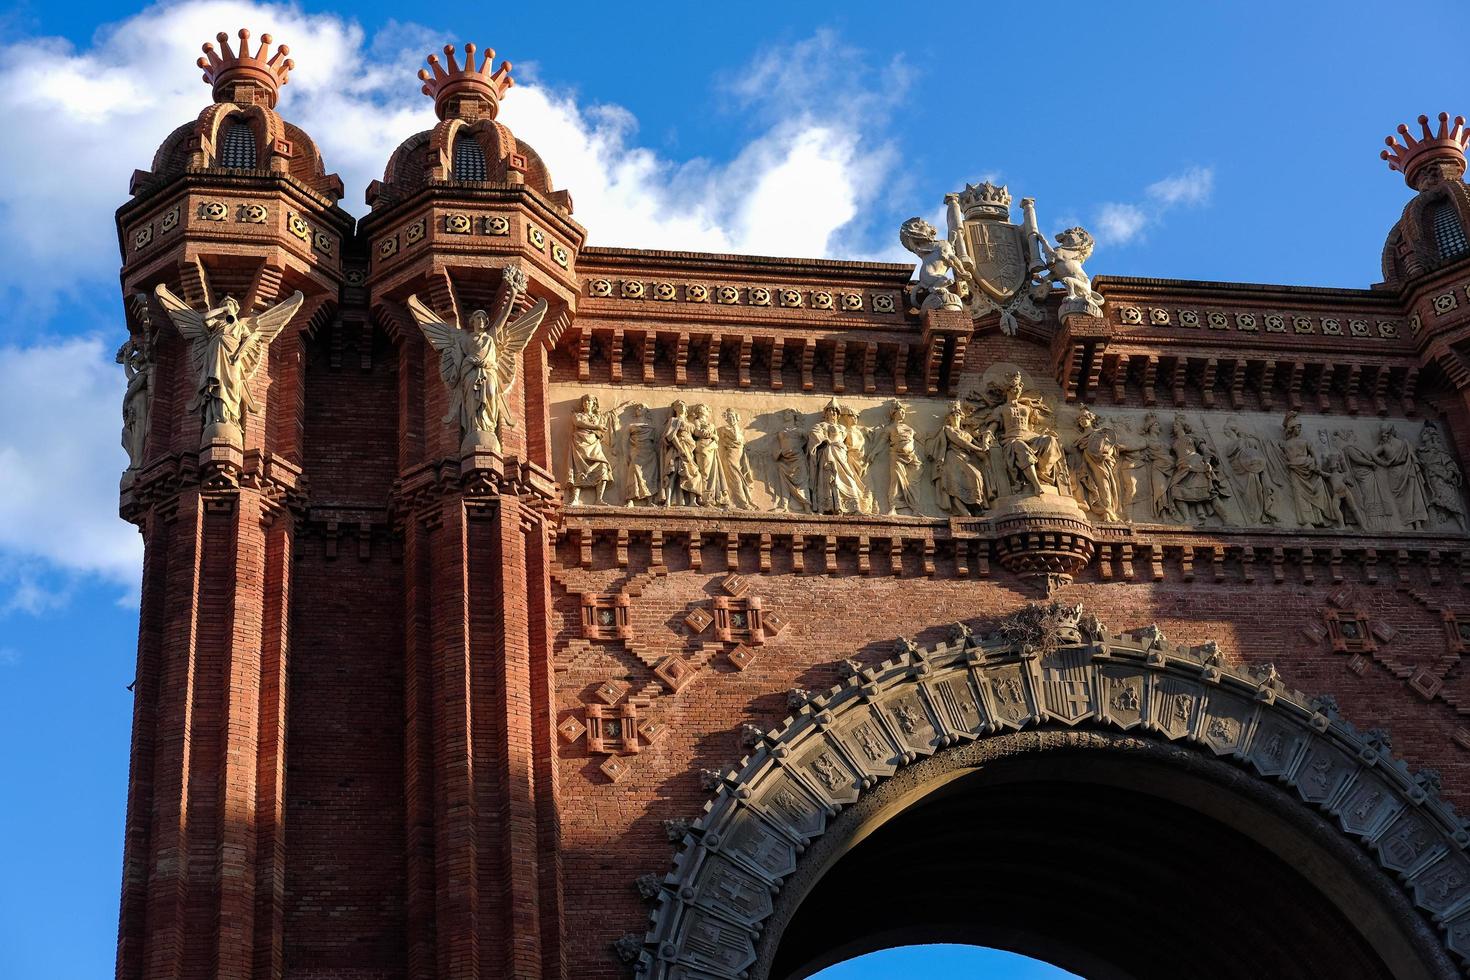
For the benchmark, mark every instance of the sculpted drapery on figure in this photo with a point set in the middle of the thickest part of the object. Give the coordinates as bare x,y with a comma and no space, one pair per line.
897,438
1446,485
712,490
1338,475
837,487
136,358
1374,506
857,455
1405,478
1313,504
588,466
1150,463
734,463
478,364
225,352
959,466
790,463
1256,473
1034,457
639,462
1097,469
1195,486
682,486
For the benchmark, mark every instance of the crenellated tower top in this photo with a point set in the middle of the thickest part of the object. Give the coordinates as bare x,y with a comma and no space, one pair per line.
262,74
469,91
1434,156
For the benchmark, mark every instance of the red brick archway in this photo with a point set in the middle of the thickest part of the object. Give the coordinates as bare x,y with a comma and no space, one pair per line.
1293,814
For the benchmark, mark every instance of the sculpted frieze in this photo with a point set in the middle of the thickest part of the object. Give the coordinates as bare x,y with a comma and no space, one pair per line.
1003,443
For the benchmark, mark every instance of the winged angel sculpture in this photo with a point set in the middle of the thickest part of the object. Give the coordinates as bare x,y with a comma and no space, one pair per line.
478,365
225,351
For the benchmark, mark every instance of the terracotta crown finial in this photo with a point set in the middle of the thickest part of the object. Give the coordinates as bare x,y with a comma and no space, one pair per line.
446,85
1445,146
225,68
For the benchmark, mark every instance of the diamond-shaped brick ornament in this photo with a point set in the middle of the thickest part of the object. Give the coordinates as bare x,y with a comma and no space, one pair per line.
1384,632
674,671
608,692
1340,597
652,731
1314,632
614,767
571,729
736,585
1358,665
698,620
742,657
1425,684
773,623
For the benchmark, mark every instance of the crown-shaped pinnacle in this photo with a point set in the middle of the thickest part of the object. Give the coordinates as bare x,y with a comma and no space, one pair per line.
449,81
225,67
1446,146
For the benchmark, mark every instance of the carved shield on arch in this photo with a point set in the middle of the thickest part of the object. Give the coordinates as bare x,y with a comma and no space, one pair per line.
999,251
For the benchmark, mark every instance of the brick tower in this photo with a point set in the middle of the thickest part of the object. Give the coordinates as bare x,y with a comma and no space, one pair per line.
514,607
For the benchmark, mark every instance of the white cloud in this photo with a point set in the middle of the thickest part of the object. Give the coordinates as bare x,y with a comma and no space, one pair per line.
797,187
1119,223
59,465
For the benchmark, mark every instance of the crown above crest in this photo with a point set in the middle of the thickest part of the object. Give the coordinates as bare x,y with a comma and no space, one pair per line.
985,201
1445,147
226,68
447,86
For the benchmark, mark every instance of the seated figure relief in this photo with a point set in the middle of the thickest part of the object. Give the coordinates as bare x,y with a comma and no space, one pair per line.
926,460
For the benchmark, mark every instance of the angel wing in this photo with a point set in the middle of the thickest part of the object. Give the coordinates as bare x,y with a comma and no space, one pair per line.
511,339
189,321
265,328
443,337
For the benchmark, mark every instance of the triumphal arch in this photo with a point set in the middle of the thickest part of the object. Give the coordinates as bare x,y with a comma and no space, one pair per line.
519,608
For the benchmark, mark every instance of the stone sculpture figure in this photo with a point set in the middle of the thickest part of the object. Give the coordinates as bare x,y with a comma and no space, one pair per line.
682,486
1446,497
712,491
1313,504
898,439
1195,486
1375,507
225,352
478,364
857,455
1097,472
959,465
1405,478
1150,463
1064,268
639,457
588,467
790,462
939,285
1033,457
1338,475
1256,476
734,465
136,358
836,487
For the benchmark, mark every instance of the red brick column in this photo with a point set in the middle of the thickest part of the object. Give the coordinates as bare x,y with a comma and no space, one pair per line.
200,896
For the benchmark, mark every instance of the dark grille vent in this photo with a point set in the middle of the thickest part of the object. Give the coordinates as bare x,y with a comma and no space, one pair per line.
239,149
469,159
1449,234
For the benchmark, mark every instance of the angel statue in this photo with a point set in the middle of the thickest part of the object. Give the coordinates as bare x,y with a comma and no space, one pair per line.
225,351
478,365
1064,268
940,285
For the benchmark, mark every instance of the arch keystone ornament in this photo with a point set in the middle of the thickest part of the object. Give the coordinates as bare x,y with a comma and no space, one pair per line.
1049,668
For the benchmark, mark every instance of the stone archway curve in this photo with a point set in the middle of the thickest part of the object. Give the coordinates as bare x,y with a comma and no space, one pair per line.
1049,667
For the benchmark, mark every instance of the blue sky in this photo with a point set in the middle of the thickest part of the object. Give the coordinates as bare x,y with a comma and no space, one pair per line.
1219,141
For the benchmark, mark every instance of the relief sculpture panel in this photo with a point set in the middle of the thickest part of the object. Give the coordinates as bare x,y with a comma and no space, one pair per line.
1005,438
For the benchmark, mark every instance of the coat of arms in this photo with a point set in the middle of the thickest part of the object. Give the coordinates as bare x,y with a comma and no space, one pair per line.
987,264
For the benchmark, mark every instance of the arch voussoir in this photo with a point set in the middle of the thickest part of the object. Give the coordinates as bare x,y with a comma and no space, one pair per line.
1050,666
